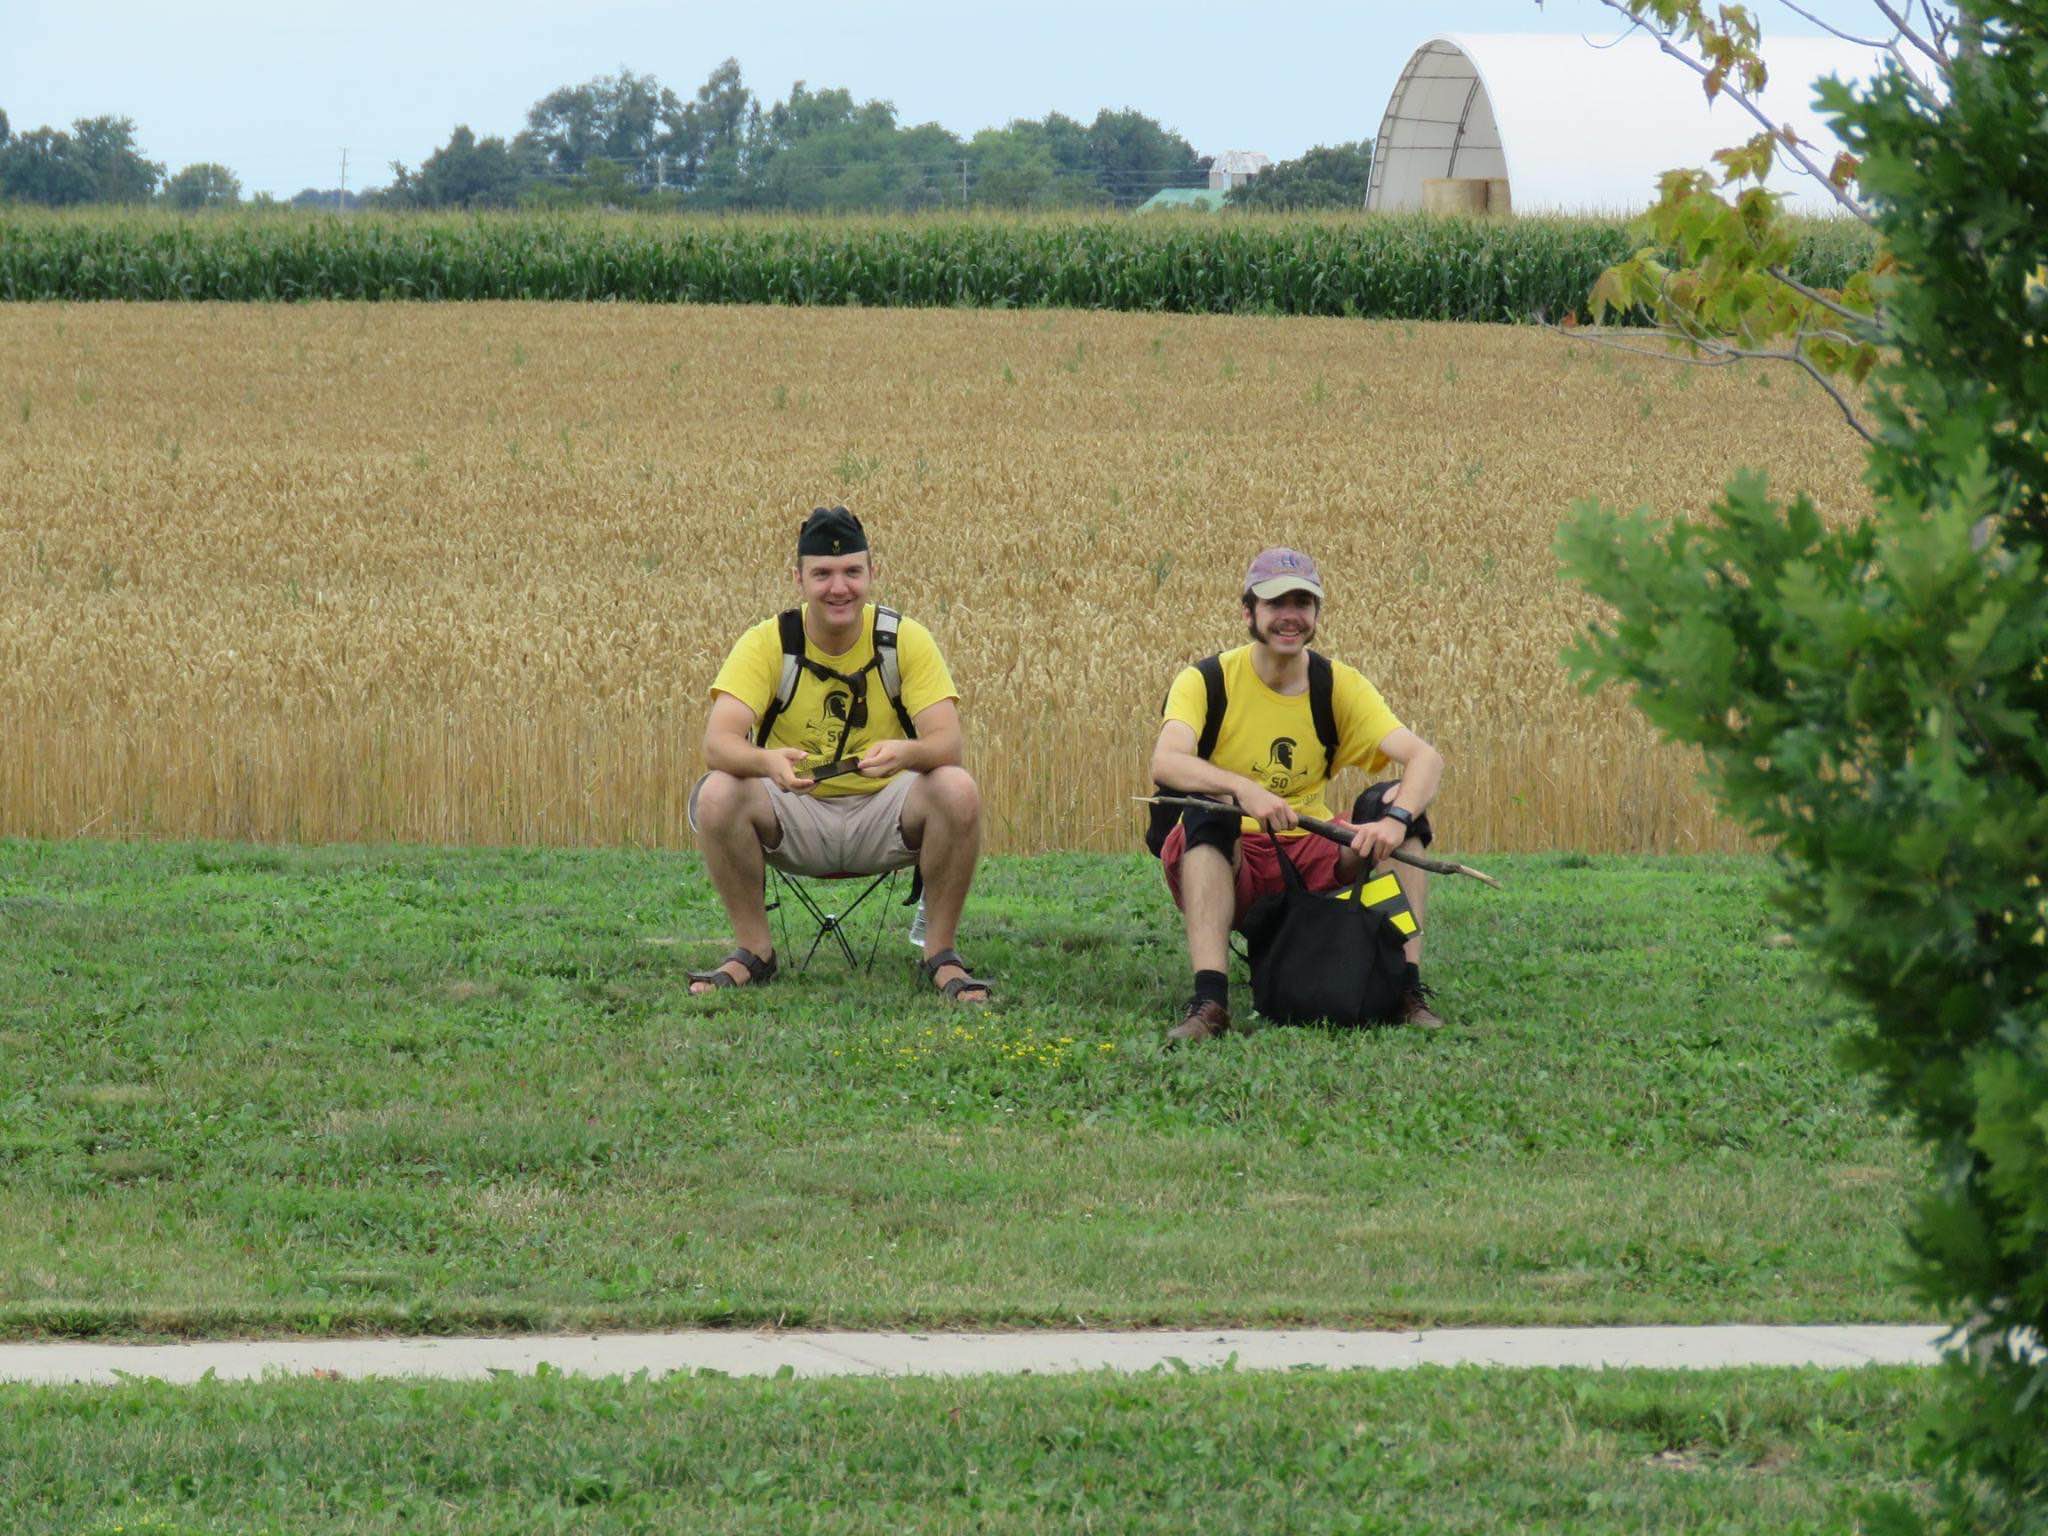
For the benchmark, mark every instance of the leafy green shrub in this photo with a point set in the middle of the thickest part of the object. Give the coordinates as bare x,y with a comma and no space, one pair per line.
1872,698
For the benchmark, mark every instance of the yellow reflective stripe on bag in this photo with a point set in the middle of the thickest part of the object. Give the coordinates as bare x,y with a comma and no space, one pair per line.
1385,894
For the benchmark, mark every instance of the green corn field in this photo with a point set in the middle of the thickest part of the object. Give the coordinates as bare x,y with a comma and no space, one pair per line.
1366,266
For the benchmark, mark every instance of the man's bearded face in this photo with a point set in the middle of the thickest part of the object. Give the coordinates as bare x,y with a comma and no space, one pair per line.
1287,622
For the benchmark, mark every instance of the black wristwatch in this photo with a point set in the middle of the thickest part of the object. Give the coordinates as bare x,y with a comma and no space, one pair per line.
1395,813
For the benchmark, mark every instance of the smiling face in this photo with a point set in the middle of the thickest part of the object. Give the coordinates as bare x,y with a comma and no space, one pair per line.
1285,625
836,586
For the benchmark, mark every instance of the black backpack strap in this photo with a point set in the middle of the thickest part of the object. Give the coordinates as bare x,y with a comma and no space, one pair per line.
1161,822
1211,668
791,625
888,624
1322,706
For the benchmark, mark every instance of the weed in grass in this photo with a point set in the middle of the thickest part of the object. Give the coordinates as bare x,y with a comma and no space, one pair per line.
855,469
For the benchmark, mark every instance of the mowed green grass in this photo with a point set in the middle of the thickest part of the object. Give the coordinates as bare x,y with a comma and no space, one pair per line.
1469,1451
253,1089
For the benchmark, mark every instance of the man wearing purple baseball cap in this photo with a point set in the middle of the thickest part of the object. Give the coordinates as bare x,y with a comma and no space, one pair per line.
1267,725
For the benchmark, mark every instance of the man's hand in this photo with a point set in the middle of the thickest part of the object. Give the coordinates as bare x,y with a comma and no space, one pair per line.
1267,809
884,758
1376,839
783,763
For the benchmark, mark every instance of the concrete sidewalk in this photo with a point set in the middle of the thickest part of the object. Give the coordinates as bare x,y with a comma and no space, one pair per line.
971,1354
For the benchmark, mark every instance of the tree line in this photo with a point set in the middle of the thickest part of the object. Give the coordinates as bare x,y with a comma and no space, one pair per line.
627,141
99,161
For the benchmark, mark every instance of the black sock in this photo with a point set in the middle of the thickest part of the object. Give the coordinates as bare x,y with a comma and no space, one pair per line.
1213,987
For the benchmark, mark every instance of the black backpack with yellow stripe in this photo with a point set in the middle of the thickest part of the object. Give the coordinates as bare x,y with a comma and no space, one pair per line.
1329,959
1322,708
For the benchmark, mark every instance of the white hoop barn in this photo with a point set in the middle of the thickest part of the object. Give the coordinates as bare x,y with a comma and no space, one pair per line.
1561,124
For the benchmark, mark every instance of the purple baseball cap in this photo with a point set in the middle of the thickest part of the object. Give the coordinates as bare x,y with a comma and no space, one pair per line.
1283,570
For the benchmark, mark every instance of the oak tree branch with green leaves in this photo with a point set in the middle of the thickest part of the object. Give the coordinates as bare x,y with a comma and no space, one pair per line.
1869,694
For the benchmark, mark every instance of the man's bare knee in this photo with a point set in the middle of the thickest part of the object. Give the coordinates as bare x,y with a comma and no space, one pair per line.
947,796
955,795
726,802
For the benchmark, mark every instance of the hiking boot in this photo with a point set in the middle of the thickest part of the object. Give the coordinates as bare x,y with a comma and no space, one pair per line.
1201,1021
1415,1009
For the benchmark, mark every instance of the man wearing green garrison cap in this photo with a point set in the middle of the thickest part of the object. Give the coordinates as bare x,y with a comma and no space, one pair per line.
834,748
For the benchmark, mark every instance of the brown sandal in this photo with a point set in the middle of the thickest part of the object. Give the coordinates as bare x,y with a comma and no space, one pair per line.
958,984
759,972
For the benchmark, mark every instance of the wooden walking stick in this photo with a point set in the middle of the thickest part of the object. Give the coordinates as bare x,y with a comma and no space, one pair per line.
1332,831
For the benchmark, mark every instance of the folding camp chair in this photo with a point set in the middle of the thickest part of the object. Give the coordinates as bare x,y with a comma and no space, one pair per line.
829,924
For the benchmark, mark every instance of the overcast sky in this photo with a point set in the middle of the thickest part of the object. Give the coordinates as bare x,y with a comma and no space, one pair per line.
275,90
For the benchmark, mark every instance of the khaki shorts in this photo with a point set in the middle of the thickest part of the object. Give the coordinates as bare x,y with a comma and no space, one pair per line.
843,835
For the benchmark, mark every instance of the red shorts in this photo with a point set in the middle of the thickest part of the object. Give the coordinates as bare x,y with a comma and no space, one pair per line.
1258,865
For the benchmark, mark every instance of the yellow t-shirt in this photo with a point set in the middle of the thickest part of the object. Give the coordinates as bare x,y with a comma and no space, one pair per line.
1270,737
818,709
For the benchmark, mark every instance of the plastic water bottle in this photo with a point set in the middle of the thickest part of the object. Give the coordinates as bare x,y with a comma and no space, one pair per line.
917,926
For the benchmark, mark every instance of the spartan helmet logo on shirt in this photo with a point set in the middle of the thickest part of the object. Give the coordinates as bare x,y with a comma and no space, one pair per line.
1278,767
822,733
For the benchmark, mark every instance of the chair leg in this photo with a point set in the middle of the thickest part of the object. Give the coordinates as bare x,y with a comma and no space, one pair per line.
824,922
835,926
875,943
832,925
836,922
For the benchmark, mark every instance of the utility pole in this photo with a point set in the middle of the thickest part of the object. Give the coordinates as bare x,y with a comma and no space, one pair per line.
963,183
341,192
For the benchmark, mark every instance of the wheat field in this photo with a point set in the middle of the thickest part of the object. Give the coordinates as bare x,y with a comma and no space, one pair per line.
462,573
